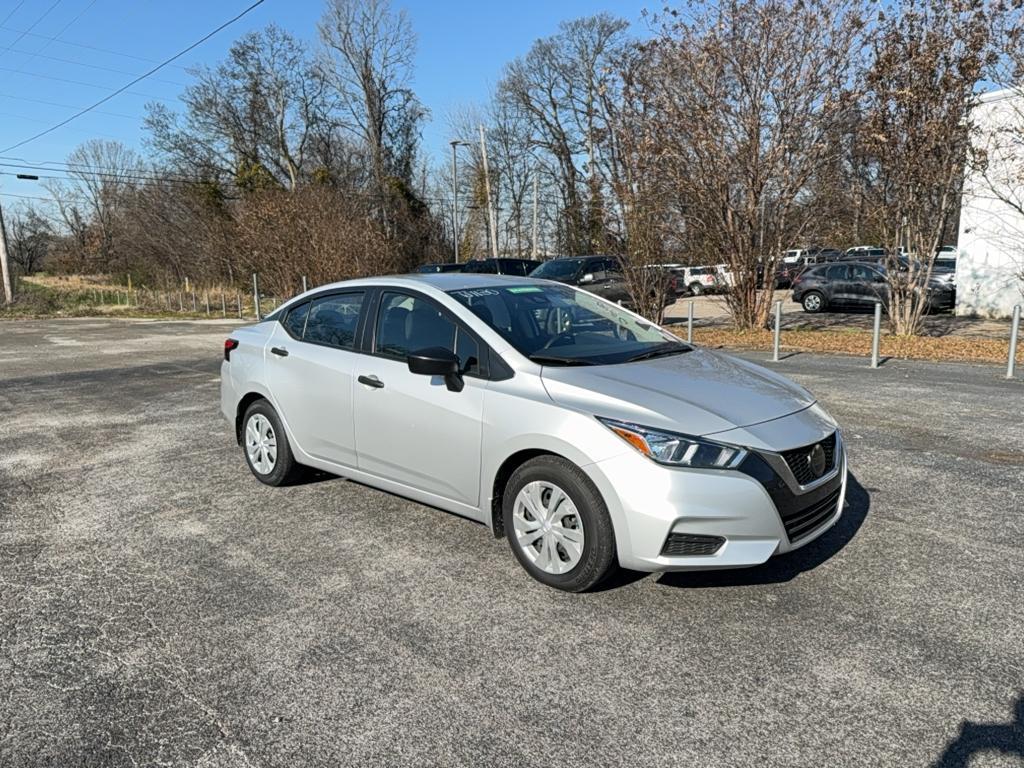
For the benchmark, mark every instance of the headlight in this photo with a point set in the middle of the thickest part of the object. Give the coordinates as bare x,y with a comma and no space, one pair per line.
677,450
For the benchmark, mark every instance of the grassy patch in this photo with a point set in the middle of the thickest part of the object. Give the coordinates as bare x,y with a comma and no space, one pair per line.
857,342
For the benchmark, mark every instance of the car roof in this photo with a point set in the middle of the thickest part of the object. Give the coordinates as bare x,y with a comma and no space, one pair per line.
443,281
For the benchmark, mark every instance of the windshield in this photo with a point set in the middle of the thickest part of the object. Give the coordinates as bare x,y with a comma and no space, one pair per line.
557,269
557,325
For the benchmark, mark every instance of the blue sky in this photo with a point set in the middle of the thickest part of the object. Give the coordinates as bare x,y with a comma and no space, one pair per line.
462,48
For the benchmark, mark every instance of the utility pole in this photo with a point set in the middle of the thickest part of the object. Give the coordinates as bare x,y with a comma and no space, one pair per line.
5,266
455,194
490,202
8,293
533,250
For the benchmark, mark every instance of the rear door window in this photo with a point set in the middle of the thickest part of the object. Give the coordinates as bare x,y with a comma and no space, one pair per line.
295,321
837,272
333,320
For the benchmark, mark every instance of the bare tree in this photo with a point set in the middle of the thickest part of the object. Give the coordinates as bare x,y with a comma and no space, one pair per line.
31,236
369,57
262,117
744,95
100,174
557,88
919,92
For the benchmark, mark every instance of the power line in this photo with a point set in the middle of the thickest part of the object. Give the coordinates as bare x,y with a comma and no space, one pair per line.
57,36
65,106
76,63
56,79
141,77
33,26
13,11
87,47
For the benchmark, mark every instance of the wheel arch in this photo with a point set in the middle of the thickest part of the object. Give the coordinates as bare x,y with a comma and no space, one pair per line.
501,478
243,405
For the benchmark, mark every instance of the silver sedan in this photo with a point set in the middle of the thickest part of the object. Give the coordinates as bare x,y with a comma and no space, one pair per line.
583,433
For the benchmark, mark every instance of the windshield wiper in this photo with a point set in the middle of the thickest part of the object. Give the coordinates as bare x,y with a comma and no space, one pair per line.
558,360
661,351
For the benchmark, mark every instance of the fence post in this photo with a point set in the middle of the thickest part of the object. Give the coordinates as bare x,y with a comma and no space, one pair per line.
181,303
238,298
223,305
876,334
778,323
206,296
304,286
689,323
256,294
1011,363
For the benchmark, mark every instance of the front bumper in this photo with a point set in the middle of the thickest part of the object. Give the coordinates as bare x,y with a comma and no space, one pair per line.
750,508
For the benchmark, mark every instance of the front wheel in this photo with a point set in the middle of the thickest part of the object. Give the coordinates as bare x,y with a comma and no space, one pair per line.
558,525
696,289
813,302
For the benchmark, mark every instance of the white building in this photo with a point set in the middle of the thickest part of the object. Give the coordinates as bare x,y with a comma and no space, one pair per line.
990,269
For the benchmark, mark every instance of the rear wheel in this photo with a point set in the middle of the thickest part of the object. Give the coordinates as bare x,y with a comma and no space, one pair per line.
813,301
696,289
558,525
266,446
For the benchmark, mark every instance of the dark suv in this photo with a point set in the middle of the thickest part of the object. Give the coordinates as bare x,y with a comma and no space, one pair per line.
520,267
600,275
857,284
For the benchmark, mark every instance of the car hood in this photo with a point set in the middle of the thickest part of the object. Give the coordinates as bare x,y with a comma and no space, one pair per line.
697,393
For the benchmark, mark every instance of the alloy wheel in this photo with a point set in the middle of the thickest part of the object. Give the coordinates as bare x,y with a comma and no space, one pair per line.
548,527
261,444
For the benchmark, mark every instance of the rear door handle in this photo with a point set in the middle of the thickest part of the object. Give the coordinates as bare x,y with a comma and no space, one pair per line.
371,381
279,351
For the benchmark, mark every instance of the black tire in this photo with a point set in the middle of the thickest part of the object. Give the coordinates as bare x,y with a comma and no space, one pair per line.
696,289
813,302
285,470
598,559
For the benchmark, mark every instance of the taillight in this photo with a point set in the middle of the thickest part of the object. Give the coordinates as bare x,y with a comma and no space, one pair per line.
229,344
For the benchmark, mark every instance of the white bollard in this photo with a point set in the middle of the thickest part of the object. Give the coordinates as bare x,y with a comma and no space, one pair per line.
1011,362
876,335
778,324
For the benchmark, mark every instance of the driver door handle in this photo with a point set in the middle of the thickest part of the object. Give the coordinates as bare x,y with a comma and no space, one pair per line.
279,351
371,381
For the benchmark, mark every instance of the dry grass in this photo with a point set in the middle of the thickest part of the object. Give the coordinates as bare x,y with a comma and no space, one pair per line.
856,342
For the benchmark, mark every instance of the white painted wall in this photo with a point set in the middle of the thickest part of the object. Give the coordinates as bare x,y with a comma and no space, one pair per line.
991,238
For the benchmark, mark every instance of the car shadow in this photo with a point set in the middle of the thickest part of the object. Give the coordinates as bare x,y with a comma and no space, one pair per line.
978,738
786,567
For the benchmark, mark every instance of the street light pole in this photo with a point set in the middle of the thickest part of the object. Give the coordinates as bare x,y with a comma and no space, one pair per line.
490,200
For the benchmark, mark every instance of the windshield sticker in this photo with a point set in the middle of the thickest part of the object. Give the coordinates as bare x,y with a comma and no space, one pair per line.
526,289
476,293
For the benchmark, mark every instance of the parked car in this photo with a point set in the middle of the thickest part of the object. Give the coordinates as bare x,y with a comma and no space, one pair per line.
858,284
947,255
427,269
600,275
863,253
583,433
701,280
501,266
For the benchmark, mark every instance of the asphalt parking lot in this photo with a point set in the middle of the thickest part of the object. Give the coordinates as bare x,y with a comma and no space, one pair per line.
158,606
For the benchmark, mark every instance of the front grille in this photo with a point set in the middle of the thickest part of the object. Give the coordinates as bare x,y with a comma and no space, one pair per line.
804,522
691,545
799,462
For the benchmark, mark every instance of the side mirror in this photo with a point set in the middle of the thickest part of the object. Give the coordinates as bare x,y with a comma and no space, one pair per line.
587,278
437,361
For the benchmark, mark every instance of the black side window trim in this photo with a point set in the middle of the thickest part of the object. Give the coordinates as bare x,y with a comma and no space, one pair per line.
366,294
